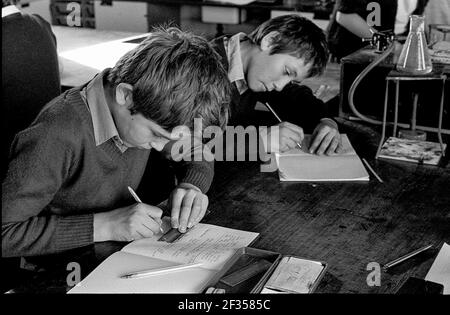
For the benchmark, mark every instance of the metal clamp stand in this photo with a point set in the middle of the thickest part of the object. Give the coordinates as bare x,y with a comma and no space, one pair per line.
396,77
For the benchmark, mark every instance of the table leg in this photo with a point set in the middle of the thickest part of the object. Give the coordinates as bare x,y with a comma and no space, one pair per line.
414,113
441,109
383,131
397,88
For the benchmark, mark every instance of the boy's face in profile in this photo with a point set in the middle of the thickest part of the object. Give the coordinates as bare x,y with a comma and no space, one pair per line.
136,131
267,72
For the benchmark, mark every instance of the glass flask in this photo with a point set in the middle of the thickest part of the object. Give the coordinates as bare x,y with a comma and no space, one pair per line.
414,57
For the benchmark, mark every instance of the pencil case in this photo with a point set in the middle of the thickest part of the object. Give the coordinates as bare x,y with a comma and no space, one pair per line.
253,270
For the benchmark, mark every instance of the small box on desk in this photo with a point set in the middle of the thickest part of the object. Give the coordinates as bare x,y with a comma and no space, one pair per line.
253,270
415,151
223,15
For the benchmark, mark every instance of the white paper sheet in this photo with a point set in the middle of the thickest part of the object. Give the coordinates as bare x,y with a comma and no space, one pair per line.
210,244
298,165
440,270
106,278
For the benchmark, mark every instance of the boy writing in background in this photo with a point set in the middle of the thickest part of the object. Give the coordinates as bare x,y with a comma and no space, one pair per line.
267,66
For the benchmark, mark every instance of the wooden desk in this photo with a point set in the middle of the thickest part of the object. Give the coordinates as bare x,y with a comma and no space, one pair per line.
347,225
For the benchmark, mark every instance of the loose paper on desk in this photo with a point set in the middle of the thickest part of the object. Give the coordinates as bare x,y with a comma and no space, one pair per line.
299,165
440,270
209,244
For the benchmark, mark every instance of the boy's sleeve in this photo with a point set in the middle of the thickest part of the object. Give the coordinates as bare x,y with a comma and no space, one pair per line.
39,165
197,173
192,161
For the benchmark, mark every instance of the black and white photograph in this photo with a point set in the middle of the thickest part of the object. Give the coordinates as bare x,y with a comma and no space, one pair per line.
226,155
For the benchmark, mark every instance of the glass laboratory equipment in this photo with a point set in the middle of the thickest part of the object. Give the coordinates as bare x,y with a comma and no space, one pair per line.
414,58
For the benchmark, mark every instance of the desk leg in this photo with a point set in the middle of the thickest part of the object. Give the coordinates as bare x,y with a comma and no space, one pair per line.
414,113
441,109
397,88
383,131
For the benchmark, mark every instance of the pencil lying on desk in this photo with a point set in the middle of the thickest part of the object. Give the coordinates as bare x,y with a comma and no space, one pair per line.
405,257
158,271
279,120
371,169
136,197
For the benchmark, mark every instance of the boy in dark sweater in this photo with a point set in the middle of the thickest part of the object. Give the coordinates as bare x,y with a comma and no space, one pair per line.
66,184
267,66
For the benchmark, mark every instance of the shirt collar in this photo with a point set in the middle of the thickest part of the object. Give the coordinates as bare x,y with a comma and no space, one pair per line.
102,120
236,68
10,9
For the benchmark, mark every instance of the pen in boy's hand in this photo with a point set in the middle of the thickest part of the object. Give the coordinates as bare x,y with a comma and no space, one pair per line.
279,120
136,197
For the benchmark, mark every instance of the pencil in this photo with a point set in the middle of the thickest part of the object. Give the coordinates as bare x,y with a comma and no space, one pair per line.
405,257
371,169
136,197
279,120
158,271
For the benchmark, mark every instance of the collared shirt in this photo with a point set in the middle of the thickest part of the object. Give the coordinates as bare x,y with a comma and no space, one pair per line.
236,68
104,127
8,10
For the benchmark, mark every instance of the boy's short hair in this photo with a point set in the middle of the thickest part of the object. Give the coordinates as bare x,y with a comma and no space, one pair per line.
176,77
299,37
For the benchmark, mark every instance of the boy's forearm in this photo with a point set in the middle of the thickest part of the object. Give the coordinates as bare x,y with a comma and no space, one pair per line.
43,235
354,23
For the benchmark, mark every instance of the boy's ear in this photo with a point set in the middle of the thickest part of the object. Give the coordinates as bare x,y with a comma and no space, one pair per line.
124,94
267,41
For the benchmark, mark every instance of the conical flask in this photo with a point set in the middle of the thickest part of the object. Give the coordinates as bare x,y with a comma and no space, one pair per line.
414,57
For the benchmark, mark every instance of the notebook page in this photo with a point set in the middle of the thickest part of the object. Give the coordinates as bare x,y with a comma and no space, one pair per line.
210,244
347,148
298,165
440,270
106,277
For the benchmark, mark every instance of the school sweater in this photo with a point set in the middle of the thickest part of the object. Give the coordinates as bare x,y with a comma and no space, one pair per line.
58,178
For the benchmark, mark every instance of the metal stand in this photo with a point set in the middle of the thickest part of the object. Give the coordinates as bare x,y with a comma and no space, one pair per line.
395,77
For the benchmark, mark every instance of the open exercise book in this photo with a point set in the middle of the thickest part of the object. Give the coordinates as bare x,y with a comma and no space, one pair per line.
209,244
299,165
